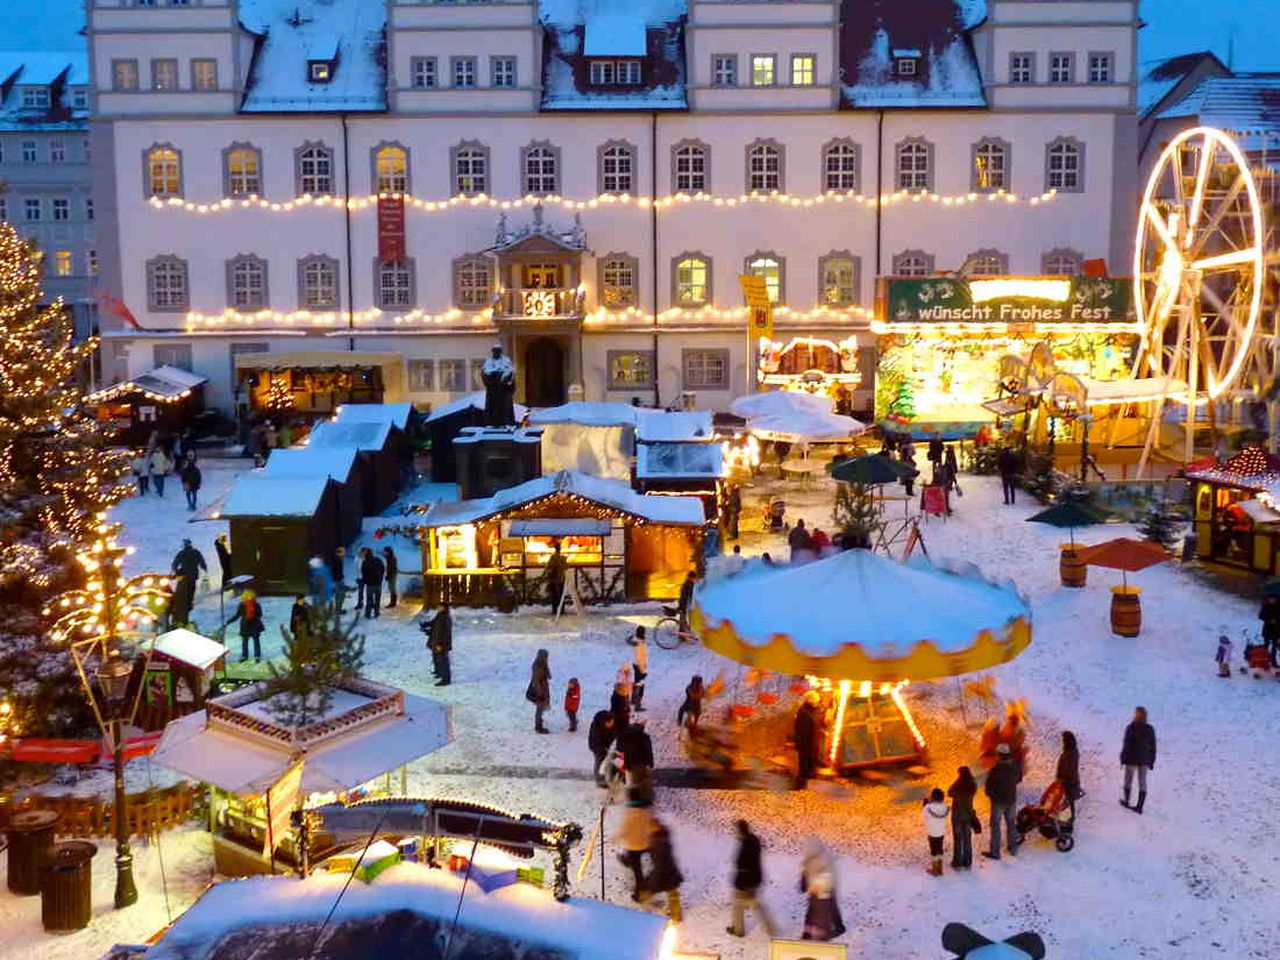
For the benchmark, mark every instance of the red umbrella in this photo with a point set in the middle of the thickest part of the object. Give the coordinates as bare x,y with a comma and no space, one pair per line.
1125,554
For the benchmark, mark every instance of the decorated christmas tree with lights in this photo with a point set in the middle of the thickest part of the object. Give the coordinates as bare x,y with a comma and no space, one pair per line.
56,476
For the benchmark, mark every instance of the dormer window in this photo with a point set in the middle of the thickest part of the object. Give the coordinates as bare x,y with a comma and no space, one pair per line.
322,59
35,98
906,62
321,71
615,73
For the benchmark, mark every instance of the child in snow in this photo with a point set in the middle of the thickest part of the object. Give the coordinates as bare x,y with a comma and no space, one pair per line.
640,667
936,810
572,700
1223,656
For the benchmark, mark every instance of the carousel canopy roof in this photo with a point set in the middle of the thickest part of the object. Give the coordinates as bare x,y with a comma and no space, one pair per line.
1250,469
360,434
322,461
256,495
613,494
396,414
877,619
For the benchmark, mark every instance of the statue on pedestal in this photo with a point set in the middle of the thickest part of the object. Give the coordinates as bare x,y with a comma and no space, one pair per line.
499,377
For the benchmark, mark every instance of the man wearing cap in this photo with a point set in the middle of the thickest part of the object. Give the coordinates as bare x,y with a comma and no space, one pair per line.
1002,790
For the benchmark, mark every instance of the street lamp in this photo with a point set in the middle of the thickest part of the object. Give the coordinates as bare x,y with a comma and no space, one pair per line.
92,621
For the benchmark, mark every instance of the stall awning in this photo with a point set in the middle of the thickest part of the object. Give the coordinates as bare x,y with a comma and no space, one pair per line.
164,384
1258,512
189,648
560,527
255,495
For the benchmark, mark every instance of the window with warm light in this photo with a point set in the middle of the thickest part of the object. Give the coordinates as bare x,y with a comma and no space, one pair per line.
692,281
320,71
470,169
630,368
391,169
838,276
317,283
764,166
767,266
617,282
62,263
803,69
472,282
164,172
990,166
762,69
242,171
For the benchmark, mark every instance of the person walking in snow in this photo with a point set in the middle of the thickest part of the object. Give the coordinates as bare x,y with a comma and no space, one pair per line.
807,733
936,811
640,668
249,613
748,878
799,541
1223,657
964,820
636,747
159,466
664,875
620,706
141,471
539,691
440,642
634,834
1001,789
1008,464
1270,617
690,711
1067,772
600,737
319,582
392,568
191,478
1137,756
222,546
187,565
572,701
822,920
372,572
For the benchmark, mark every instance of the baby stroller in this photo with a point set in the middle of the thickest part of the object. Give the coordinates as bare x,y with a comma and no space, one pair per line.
1051,816
774,512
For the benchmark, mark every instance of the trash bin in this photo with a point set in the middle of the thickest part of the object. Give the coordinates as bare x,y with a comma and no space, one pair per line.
30,835
66,884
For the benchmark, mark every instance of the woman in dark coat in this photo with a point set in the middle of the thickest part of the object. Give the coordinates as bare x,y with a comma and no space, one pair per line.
620,707
665,877
392,566
249,613
1068,772
963,818
539,692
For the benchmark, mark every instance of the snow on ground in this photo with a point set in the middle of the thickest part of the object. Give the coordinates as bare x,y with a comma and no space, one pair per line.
1190,878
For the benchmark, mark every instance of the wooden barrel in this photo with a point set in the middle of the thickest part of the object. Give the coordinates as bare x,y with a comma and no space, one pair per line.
1071,568
1126,611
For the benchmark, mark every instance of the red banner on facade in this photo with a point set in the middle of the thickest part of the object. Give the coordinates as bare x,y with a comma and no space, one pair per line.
391,228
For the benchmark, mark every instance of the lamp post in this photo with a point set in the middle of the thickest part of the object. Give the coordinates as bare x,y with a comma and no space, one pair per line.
92,621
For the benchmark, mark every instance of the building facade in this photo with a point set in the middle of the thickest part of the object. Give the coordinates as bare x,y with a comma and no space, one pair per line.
45,155
428,178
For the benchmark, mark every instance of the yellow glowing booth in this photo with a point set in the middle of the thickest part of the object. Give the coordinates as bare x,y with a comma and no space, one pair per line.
877,624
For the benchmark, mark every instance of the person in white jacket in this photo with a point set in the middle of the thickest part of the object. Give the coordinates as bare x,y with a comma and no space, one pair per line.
160,466
936,811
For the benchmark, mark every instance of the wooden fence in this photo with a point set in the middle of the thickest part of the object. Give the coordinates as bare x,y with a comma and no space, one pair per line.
148,812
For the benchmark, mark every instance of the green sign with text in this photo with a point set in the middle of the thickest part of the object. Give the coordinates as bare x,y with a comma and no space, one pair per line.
1010,300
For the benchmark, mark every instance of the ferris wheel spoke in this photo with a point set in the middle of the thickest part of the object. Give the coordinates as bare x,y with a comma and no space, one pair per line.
1158,224
1197,198
1221,208
1223,261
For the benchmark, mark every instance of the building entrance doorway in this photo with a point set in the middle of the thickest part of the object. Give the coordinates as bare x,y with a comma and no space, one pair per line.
544,373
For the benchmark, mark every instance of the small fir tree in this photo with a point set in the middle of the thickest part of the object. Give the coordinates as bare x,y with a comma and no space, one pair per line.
904,401
57,473
1161,523
855,513
319,659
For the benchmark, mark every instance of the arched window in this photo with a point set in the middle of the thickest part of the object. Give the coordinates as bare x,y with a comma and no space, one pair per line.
317,283
163,172
914,165
541,165
470,169
617,168
838,278
1064,165
242,170
990,166
840,166
314,169
913,263
691,280
395,284
764,166
987,263
769,266
247,282
690,167
472,283
167,287
1062,262
390,169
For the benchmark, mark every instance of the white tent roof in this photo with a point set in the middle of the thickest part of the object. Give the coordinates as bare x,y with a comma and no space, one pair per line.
240,765
396,414
323,461
588,414
470,400
779,402
805,425
681,511
256,495
658,426
190,648
361,434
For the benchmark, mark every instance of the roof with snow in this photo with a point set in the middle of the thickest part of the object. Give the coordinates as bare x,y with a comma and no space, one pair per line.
1160,80
361,434
322,461
613,494
190,648
466,402
874,32
256,495
615,33
274,918
658,426
55,70
163,383
1244,103
587,413
290,33
396,414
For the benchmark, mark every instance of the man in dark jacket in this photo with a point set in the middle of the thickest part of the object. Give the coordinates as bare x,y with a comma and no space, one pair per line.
1008,463
441,643
599,739
1270,617
393,570
799,541
1002,790
300,616
636,747
665,877
187,564
190,477
1138,755
808,738
748,877
372,570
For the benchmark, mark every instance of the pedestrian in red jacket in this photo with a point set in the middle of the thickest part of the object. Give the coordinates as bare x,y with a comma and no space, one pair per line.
572,700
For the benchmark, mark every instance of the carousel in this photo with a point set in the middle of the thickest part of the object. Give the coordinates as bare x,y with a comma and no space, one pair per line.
863,652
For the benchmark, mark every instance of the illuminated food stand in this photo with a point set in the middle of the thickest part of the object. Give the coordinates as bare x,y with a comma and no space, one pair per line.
810,364
615,544
1236,516
863,644
165,398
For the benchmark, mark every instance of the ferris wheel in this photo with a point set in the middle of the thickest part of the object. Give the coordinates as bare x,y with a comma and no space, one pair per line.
1199,268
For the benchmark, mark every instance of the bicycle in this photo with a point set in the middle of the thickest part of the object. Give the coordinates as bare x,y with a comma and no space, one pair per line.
668,633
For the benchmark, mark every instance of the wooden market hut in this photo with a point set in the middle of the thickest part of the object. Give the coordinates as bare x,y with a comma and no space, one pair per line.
277,525
679,453
166,399
1235,514
399,416
341,465
617,544
381,469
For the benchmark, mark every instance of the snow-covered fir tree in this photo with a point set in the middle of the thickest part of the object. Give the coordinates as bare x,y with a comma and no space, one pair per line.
319,659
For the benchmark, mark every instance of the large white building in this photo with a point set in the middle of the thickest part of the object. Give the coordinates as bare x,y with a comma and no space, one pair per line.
584,180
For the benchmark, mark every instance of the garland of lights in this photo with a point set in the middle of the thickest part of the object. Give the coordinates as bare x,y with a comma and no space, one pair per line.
483,201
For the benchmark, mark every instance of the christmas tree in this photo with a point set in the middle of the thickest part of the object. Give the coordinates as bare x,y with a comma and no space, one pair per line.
1161,523
319,659
856,513
56,476
903,403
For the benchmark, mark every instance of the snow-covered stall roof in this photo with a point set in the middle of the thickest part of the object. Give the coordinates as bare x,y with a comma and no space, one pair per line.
247,764
947,75
270,911
396,414
163,383
587,413
289,31
679,511
658,426
361,434
679,461
256,495
468,401
189,647
324,461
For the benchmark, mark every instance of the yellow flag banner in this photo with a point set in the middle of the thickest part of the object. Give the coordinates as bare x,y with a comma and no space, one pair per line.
759,306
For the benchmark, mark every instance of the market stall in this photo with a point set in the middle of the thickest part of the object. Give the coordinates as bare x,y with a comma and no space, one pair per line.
679,453
860,644
339,464
613,544
1236,518
167,399
277,525
317,381
242,748
378,460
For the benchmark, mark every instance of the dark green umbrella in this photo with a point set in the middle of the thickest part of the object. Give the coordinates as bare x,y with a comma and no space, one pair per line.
1271,588
1068,514
872,470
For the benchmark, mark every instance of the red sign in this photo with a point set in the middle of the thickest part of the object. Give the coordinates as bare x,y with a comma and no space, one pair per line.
933,500
391,228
